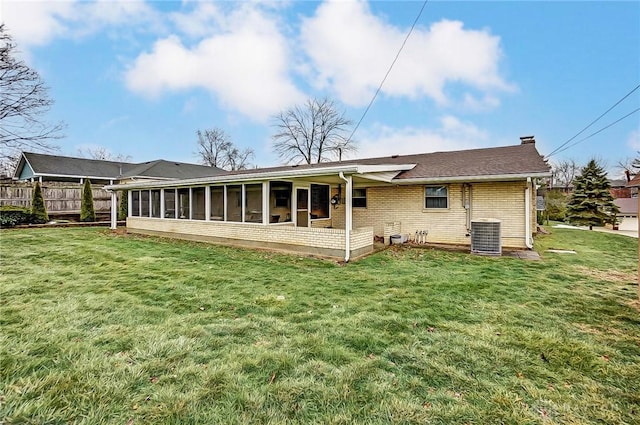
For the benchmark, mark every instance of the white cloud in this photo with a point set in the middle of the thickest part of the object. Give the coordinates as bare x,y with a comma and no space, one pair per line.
352,50
452,134
37,23
633,140
245,65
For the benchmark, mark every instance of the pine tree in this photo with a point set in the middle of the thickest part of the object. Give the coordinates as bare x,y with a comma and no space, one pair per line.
38,207
87,212
123,211
591,203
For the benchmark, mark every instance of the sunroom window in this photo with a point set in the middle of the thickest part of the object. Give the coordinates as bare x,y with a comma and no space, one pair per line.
319,201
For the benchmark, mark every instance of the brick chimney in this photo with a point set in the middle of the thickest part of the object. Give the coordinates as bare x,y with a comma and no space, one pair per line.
525,140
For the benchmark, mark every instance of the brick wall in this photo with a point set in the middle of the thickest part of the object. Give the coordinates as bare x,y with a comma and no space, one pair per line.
405,205
330,242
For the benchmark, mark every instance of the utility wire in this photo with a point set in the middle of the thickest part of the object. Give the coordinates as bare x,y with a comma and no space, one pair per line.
599,131
424,4
559,148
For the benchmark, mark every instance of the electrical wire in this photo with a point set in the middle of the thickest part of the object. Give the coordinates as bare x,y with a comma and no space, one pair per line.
559,148
424,4
593,134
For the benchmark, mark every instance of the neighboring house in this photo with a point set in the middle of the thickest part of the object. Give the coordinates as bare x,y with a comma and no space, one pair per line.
619,189
484,198
42,167
635,183
628,215
61,178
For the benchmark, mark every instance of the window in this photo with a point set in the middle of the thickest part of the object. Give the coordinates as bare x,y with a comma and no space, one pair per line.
359,198
155,203
217,203
436,197
234,203
169,203
253,203
135,203
319,201
144,203
197,201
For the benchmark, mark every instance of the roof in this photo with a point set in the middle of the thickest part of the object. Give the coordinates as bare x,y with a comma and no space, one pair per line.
627,205
634,181
506,160
499,163
65,166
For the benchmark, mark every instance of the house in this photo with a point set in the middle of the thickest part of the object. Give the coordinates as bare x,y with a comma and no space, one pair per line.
43,167
61,178
635,183
627,218
471,197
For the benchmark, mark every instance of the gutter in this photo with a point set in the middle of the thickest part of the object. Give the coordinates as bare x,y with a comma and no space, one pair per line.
492,177
348,217
527,215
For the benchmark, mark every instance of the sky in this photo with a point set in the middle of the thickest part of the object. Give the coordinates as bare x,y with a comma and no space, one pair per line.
139,78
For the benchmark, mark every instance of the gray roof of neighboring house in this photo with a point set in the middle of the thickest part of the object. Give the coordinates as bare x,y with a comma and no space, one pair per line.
55,165
627,205
499,161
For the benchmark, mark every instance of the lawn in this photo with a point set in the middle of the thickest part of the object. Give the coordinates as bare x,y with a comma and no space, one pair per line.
99,328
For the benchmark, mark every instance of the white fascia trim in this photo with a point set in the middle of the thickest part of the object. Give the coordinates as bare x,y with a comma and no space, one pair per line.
282,174
71,176
493,177
267,175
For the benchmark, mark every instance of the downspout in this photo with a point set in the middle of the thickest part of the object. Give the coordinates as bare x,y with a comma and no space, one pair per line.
348,217
527,215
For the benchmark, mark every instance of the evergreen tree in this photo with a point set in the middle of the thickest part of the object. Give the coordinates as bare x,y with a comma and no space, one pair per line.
591,203
87,212
38,207
124,205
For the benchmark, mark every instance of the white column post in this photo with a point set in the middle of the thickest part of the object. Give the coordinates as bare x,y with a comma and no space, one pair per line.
207,203
129,206
162,203
265,203
114,210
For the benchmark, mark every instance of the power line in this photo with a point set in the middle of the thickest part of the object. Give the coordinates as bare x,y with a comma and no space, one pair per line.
599,131
559,148
424,4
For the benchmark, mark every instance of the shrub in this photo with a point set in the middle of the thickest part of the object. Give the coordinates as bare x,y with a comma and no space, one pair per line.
12,215
38,207
87,211
124,205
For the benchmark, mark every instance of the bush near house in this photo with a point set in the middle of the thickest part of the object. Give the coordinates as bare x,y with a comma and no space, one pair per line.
123,211
87,211
38,207
11,215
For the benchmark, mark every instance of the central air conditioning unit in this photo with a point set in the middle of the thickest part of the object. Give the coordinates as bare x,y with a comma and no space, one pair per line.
485,236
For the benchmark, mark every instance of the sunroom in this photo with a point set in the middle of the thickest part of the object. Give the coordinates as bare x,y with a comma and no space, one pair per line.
289,208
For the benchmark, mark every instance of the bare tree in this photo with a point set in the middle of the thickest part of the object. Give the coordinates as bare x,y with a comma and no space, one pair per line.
564,173
216,150
629,166
103,154
312,133
23,102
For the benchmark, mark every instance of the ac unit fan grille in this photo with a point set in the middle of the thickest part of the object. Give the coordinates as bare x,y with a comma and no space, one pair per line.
485,237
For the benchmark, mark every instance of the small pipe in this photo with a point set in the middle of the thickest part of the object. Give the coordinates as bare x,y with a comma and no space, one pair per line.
527,215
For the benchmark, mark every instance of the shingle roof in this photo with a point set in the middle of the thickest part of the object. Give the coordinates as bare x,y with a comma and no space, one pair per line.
43,164
627,205
499,161
634,181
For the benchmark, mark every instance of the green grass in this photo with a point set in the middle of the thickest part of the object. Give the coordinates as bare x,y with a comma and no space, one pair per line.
105,328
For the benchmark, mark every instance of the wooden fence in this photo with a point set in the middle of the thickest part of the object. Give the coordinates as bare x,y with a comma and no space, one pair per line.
60,198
